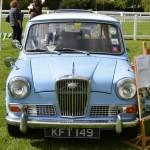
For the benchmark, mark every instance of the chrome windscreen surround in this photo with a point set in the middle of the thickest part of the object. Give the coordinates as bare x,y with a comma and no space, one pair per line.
72,95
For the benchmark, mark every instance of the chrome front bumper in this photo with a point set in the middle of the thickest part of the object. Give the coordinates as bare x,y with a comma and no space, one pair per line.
24,123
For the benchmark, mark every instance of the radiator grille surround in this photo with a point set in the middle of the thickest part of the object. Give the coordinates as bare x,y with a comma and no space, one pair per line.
72,95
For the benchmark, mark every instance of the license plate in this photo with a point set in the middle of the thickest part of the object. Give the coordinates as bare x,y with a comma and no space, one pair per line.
72,133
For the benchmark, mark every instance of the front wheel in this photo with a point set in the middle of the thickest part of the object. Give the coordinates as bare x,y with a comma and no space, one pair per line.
13,130
130,132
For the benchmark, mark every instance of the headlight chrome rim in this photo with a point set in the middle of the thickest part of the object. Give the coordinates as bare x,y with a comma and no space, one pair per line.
19,87
123,86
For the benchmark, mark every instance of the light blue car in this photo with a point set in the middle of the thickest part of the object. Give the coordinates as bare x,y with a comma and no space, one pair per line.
72,78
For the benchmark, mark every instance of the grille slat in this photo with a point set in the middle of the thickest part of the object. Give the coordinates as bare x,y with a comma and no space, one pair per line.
41,110
103,111
72,100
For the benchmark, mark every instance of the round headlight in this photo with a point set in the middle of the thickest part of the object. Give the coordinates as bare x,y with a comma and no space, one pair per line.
126,88
19,87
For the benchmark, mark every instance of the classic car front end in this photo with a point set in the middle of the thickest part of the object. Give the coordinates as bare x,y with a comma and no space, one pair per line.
72,78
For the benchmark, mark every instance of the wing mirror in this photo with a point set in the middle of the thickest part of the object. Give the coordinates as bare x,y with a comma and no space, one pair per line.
9,62
16,44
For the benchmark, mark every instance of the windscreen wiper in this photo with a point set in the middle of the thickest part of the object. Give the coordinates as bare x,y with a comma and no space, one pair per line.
35,50
44,51
75,50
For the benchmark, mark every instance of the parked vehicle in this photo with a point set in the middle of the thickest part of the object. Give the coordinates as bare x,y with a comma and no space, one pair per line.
72,78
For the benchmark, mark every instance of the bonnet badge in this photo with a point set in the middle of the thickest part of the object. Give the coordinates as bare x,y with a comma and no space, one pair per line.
72,85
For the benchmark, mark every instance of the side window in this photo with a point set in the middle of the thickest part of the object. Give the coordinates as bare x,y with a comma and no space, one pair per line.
36,34
31,40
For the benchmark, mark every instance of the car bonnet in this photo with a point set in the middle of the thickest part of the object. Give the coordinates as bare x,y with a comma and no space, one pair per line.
100,72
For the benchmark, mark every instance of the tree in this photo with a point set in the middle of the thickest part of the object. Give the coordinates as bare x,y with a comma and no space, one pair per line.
77,4
53,4
126,4
6,5
104,4
122,4
146,5
136,4
88,4
23,4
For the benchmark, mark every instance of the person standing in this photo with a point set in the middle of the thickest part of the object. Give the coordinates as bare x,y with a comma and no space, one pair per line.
21,14
35,8
15,21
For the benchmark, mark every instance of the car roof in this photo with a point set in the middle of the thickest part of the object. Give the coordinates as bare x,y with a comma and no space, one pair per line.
72,10
74,16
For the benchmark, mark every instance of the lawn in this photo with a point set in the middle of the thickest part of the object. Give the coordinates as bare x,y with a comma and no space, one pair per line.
35,140
143,28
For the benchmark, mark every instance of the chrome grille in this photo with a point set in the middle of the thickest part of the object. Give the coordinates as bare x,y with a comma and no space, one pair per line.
72,100
41,110
103,111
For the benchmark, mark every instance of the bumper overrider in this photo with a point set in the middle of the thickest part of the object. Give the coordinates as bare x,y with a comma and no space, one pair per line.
24,123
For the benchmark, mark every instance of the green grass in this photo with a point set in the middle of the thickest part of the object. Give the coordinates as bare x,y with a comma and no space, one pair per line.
135,47
35,140
143,28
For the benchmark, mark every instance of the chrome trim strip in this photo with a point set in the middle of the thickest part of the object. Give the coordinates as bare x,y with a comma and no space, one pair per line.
70,124
72,76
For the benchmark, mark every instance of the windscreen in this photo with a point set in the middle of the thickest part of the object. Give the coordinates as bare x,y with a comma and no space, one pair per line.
86,36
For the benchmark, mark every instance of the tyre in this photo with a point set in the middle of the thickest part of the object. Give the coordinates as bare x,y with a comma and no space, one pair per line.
130,132
13,130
